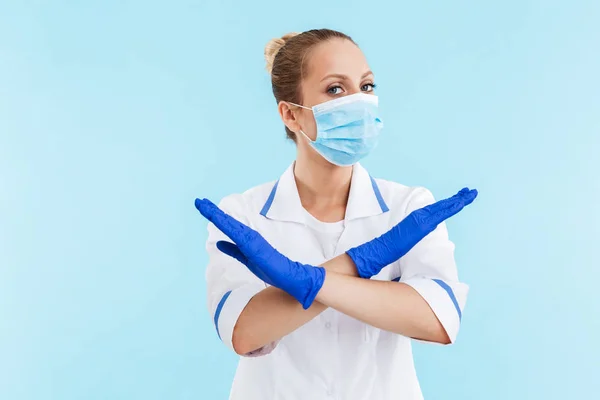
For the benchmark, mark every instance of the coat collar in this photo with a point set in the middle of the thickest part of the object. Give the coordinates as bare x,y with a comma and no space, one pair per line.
365,199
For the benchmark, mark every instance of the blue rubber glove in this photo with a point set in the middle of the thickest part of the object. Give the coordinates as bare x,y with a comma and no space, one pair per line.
301,281
371,257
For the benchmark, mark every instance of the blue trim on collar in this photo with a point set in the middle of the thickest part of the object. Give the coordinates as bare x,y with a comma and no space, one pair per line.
377,192
269,202
384,207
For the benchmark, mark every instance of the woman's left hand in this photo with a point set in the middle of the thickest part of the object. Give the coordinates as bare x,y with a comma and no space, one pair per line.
301,281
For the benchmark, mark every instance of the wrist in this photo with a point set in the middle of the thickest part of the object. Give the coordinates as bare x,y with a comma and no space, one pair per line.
317,276
342,264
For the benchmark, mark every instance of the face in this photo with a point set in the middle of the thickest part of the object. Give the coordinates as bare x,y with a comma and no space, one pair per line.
335,68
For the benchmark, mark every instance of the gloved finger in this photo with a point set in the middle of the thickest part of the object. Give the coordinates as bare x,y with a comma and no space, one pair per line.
226,223
441,215
446,204
469,196
232,251
455,204
206,207
465,195
459,196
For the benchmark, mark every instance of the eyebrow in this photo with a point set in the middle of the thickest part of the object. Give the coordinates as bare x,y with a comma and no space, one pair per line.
369,72
341,76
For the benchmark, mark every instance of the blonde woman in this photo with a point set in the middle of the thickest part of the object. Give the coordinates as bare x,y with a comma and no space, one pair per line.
321,279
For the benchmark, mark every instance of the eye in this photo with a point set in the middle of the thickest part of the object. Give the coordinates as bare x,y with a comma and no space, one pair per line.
334,90
368,87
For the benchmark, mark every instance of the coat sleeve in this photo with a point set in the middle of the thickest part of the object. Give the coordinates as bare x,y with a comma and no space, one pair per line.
430,269
230,285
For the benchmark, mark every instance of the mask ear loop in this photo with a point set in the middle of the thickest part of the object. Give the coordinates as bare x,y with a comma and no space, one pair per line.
298,105
307,108
306,136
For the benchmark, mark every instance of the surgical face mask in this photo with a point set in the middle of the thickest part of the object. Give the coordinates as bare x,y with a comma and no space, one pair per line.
347,128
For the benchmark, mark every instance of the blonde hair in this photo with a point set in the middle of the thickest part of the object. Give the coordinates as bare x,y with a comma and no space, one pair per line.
273,47
286,58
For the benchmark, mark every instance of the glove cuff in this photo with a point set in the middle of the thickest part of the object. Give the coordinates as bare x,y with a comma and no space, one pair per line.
360,263
317,276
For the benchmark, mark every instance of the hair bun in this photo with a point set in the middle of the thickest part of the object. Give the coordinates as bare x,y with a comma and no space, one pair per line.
273,47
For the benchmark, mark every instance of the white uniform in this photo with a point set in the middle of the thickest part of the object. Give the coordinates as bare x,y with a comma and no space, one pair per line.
333,356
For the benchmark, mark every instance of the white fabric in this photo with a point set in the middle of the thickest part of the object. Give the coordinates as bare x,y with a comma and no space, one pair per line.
327,234
333,356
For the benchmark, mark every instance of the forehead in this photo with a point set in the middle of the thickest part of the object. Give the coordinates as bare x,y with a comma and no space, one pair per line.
336,56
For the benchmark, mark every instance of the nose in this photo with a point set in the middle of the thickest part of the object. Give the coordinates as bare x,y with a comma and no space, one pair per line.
354,89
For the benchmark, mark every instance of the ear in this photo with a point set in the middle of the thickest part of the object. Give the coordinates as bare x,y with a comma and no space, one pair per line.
288,116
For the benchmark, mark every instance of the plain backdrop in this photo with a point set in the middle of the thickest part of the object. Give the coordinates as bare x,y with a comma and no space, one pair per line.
116,115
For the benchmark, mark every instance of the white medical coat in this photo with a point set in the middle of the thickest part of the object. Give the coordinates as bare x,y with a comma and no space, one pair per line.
333,356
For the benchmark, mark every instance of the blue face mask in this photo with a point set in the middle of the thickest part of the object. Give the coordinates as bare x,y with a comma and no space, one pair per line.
347,128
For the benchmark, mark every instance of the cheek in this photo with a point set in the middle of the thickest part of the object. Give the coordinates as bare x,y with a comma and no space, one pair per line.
309,126
311,95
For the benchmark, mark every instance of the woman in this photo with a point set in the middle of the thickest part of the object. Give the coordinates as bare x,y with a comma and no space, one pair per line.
321,279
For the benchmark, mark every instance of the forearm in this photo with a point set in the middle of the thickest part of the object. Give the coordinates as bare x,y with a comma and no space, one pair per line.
273,314
391,306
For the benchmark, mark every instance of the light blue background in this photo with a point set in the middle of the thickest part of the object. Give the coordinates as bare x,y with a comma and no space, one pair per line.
115,115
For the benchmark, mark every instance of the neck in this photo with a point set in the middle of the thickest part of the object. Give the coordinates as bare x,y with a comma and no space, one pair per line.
320,183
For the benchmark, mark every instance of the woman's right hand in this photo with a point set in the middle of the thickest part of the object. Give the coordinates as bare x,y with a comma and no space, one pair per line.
301,281
373,256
